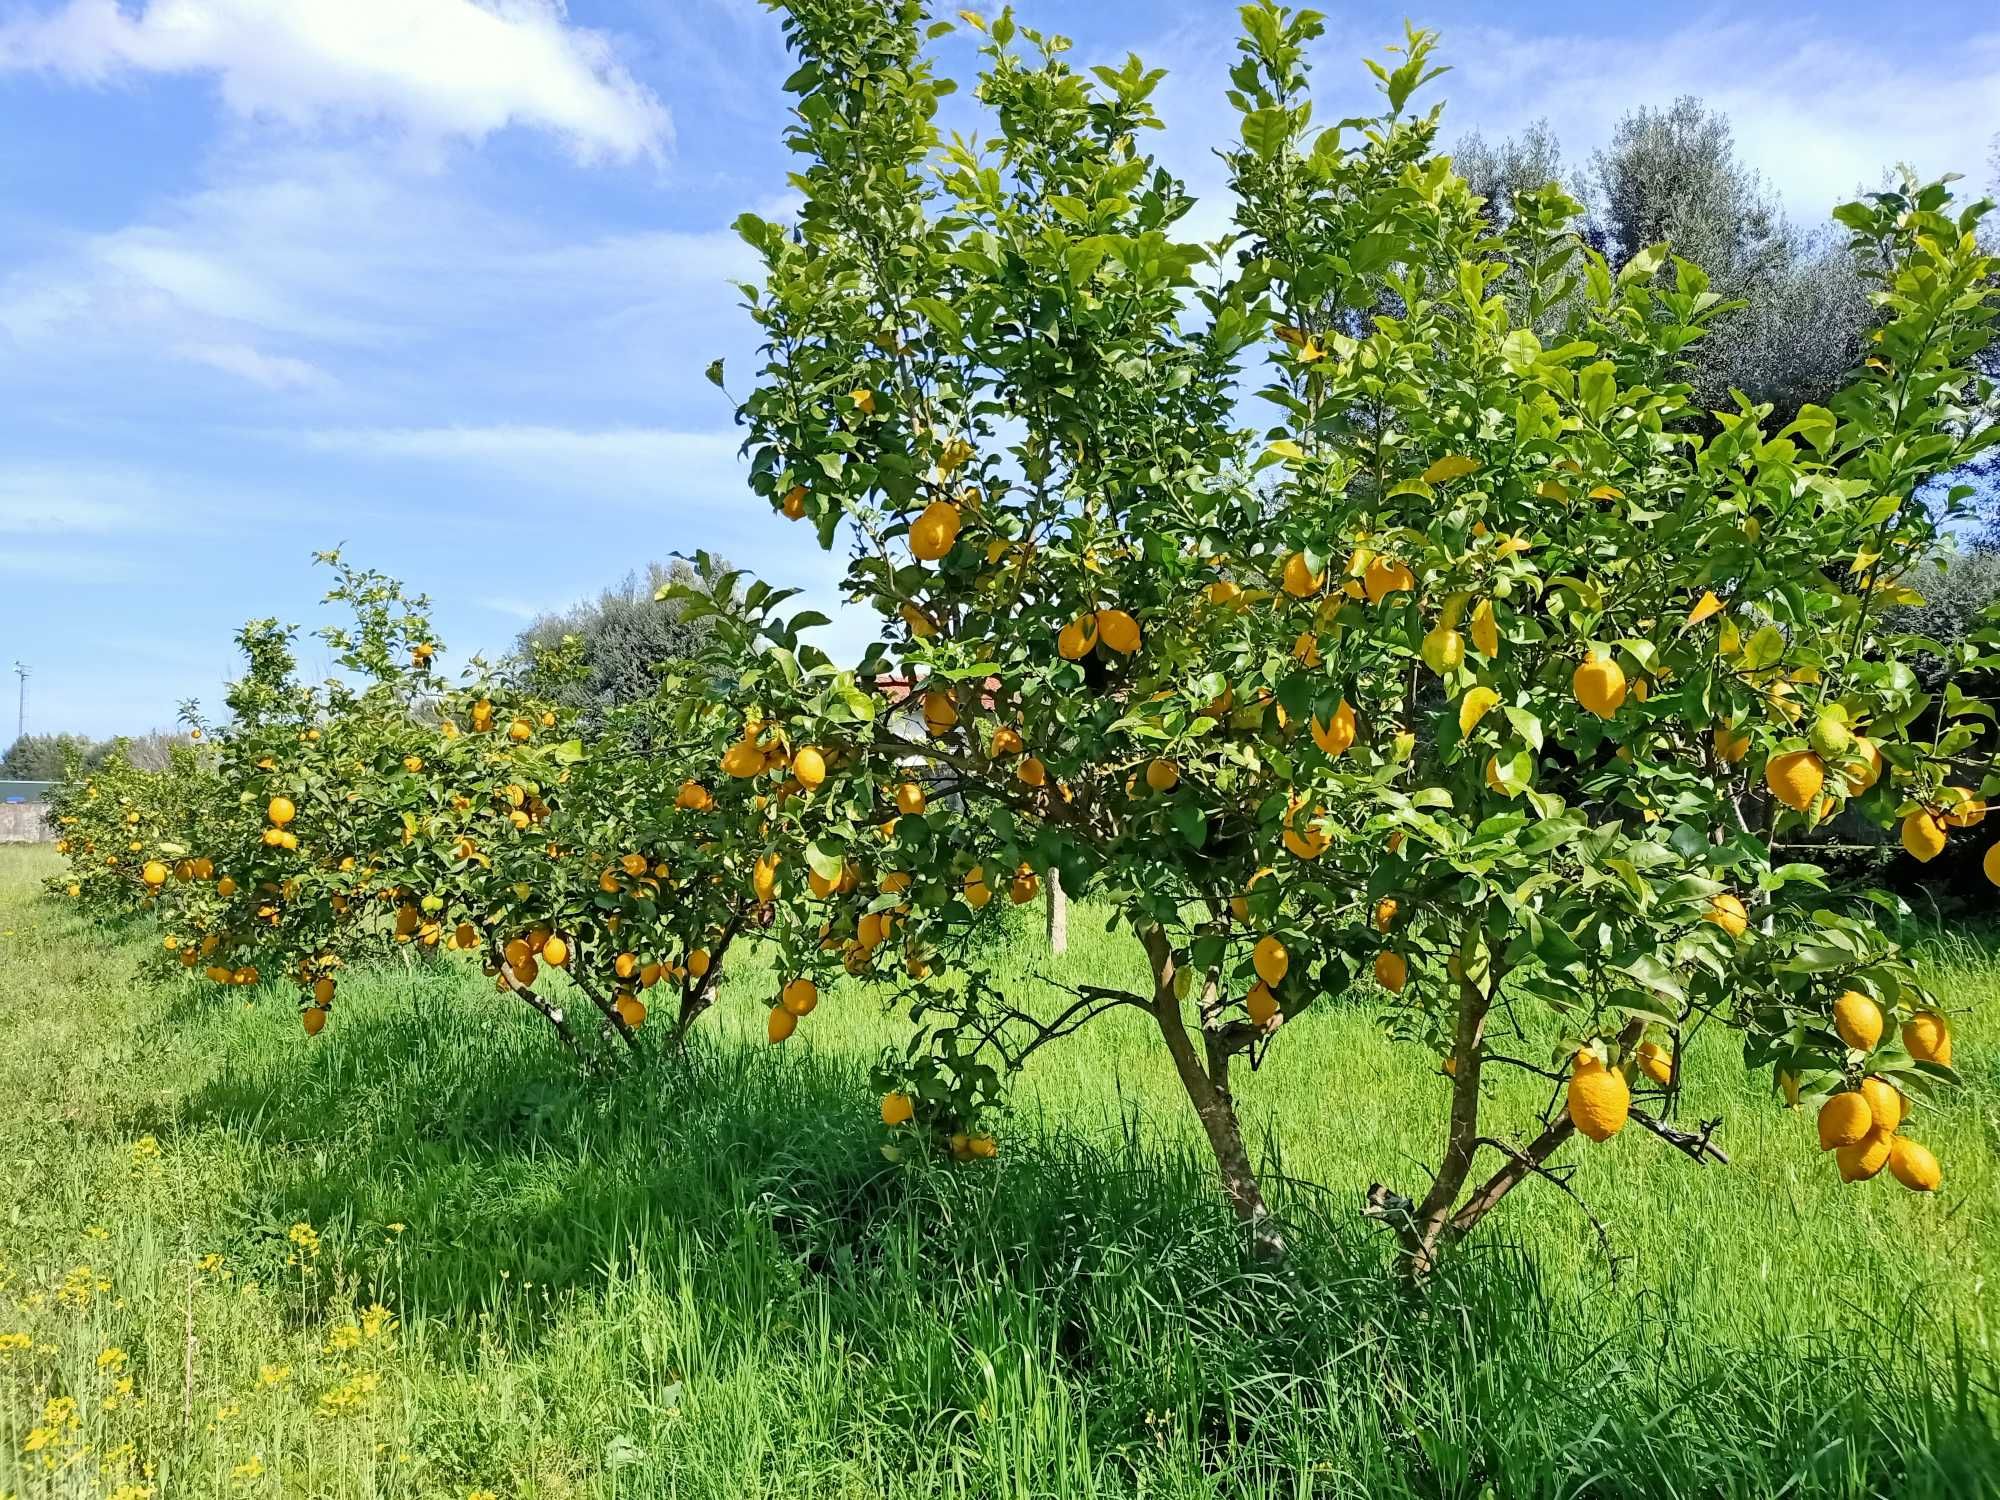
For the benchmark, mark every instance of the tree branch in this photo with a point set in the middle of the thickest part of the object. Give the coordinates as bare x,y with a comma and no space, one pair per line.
1695,1145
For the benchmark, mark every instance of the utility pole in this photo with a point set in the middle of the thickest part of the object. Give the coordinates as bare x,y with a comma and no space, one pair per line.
21,708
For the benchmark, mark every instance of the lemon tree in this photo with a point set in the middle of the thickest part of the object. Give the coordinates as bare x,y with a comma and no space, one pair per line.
1447,668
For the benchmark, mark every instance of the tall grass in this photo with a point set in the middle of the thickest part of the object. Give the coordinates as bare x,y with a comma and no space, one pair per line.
703,1279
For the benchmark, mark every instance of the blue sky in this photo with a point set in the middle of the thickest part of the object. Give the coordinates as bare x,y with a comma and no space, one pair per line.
437,279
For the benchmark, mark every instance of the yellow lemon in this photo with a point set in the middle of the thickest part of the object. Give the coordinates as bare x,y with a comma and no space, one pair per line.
1795,778
1727,912
1599,1100
1923,835
1599,685
1858,1019
1118,630
933,532
1913,1165
1926,1037
1336,734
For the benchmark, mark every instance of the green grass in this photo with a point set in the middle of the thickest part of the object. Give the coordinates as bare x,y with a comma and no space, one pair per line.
703,1280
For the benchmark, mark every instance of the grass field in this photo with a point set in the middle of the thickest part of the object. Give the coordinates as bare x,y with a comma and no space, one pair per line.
426,1255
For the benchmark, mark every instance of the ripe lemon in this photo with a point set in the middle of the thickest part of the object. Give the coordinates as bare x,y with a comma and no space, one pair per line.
799,997
1727,912
1306,843
154,873
780,1024
1599,1101
698,962
555,952
313,1018
1260,1004
1926,1037
809,766
631,1010
910,799
933,532
1299,579
1118,630
898,1109
1913,1165
940,713
1795,778
1865,1157
281,811
977,891
1385,913
1240,905
1270,960
1923,835
519,730
1392,972
1007,741
1075,640
743,759
1656,1063
1032,772
1844,1120
1305,650
1599,685
1024,887
1337,733
1385,577
764,877
1858,1019
625,965
1162,775
1885,1103
794,504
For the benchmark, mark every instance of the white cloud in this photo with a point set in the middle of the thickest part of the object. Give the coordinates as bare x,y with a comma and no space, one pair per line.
280,372
651,447
1817,115
439,68
57,499
697,473
303,269
513,609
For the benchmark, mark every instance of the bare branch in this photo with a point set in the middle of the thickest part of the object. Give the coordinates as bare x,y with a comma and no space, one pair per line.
1696,1145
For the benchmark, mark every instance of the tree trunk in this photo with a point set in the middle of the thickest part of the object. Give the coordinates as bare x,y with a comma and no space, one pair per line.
1058,913
1204,1075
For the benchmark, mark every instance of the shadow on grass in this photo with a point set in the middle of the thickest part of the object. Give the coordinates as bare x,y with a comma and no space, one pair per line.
751,1184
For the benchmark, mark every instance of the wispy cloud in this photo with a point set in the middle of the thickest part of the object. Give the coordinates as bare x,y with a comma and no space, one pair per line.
612,464
1817,114
278,372
513,609
440,68
304,269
